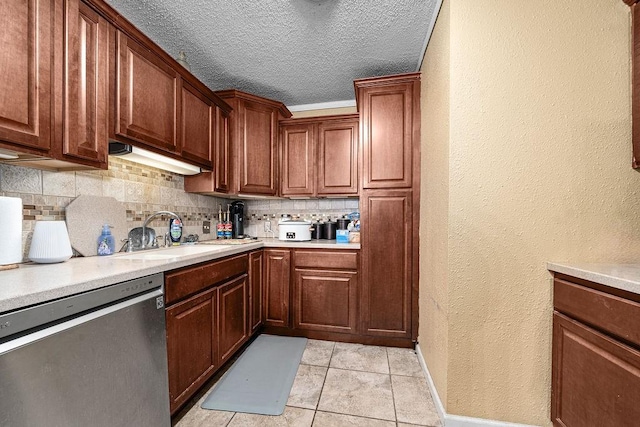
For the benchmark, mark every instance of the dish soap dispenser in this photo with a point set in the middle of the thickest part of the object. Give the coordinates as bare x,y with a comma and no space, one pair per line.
175,231
106,242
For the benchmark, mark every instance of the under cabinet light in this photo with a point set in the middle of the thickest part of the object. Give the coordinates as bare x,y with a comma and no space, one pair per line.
149,158
8,155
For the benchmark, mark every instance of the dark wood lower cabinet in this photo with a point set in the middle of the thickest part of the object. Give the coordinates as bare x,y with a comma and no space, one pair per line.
256,272
232,319
596,378
191,347
277,273
319,294
325,300
207,319
387,279
596,356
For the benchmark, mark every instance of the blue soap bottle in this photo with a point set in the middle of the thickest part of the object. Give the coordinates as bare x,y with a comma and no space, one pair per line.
106,242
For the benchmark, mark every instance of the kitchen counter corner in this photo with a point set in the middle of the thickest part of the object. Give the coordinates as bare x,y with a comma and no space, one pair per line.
619,276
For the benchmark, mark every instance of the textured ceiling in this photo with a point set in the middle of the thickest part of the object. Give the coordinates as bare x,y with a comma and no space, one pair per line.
294,51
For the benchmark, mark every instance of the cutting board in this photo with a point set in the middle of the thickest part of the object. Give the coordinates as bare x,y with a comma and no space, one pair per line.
85,217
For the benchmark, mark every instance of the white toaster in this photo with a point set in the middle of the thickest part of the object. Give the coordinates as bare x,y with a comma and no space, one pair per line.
295,230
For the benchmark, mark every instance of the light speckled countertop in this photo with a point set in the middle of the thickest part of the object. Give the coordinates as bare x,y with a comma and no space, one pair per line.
36,283
620,276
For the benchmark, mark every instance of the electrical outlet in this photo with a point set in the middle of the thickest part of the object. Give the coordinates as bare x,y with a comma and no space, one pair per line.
206,227
267,226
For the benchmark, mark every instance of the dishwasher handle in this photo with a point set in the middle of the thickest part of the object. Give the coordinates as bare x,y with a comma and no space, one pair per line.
41,334
31,317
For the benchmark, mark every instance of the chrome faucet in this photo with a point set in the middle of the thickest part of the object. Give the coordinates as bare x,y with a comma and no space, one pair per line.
148,220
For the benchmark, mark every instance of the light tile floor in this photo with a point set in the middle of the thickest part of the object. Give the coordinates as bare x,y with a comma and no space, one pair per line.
341,384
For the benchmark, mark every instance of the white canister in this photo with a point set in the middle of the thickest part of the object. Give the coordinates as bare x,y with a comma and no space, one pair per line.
50,243
11,242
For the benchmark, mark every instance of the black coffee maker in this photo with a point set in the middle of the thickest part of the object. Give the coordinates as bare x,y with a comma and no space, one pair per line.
237,219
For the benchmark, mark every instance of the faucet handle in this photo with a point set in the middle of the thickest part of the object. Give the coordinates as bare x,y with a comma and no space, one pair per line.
128,243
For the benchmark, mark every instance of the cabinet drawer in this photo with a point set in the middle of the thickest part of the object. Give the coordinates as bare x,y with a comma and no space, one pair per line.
184,282
609,313
326,259
596,379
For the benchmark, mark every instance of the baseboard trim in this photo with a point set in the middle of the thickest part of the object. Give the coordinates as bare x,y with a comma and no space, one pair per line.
432,387
449,420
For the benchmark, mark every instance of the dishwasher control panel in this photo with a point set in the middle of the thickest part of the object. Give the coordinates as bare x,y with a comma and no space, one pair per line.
27,318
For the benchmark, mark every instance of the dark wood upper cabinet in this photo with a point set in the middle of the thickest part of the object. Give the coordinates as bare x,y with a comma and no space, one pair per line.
27,75
218,181
319,156
147,91
297,172
86,71
338,156
253,134
197,126
253,129
389,123
222,154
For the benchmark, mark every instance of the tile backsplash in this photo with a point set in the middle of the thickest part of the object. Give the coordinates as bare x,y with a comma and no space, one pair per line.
144,190
308,209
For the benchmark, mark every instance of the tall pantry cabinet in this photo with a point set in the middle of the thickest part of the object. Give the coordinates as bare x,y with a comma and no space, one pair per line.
389,109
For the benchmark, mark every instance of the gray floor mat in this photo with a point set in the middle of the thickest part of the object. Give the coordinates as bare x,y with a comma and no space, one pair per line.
260,381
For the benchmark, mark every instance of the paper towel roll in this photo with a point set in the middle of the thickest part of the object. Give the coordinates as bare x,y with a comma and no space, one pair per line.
11,241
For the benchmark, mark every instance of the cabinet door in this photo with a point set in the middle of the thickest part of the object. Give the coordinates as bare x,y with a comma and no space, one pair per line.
86,84
26,73
197,127
596,379
338,157
325,300
297,172
276,287
222,160
257,150
387,115
387,263
232,311
147,95
191,348
255,290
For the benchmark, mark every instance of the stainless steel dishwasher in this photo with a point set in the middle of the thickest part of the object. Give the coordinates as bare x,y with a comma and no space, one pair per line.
93,359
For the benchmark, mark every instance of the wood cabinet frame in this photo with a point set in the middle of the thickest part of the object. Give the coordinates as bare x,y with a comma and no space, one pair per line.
319,158
595,354
207,313
29,57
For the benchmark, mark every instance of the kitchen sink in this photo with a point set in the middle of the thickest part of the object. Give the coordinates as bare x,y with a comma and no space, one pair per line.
169,253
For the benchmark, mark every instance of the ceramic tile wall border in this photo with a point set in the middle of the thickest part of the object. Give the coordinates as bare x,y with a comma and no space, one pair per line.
143,190
311,209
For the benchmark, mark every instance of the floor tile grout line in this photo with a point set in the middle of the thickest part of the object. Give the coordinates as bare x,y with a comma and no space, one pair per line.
357,416
325,379
393,395
359,370
231,419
